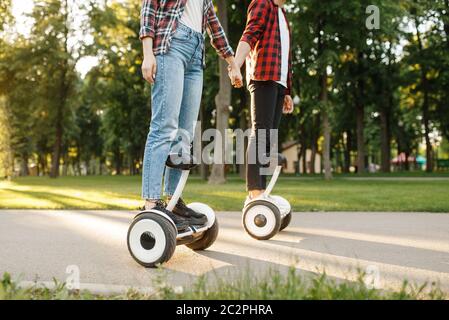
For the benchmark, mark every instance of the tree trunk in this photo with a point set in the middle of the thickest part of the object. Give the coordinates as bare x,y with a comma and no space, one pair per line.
131,164
429,149
385,137
300,155
24,171
360,127
347,152
65,168
339,160
42,164
204,171
54,172
324,111
10,169
425,106
302,152
102,161
385,119
406,163
304,160
222,101
327,146
360,114
314,142
326,129
313,156
118,161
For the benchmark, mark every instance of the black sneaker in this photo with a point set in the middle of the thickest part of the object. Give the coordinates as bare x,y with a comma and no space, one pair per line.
180,222
194,218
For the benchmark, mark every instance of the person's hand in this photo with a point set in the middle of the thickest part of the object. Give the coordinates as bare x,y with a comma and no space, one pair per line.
149,68
235,75
288,105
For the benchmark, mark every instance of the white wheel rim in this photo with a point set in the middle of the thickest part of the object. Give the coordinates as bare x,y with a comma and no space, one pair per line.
283,205
204,209
142,254
251,225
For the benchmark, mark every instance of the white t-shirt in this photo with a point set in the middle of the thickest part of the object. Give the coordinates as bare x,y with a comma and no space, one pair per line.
285,45
193,15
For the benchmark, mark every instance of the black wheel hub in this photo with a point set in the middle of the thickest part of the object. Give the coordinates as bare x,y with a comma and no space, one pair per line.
147,240
260,220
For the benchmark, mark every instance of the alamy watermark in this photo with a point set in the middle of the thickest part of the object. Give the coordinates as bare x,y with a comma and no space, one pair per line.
372,277
214,147
373,20
72,281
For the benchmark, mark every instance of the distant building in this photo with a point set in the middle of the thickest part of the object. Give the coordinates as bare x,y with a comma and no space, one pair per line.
290,150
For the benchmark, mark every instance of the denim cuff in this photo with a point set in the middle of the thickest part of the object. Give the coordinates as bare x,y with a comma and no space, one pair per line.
151,197
169,194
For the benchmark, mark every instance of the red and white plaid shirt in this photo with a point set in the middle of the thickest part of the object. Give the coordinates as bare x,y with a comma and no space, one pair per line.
263,35
159,20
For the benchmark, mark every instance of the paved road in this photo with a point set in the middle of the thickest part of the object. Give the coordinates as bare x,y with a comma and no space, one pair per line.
40,245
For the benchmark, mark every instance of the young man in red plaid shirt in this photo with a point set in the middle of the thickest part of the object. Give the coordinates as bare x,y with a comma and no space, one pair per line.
265,44
172,33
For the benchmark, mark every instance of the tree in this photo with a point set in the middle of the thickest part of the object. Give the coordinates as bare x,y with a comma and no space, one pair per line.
223,102
55,62
5,147
5,129
115,88
366,95
427,72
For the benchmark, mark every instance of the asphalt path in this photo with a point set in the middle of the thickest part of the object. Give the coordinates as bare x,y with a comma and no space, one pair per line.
389,247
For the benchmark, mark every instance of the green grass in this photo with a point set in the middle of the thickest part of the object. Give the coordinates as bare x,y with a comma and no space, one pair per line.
401,174
305,194
270,286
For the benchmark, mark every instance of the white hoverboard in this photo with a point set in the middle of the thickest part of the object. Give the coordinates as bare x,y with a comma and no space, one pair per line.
264,217
153,236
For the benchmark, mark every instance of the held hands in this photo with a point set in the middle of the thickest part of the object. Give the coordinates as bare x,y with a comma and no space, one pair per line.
149,68
235,75
288,105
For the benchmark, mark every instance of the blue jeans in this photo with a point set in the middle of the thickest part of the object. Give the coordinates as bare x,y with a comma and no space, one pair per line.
176,99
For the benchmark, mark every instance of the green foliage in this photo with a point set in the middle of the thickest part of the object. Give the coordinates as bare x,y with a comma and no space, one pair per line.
104,117
115,88
6,18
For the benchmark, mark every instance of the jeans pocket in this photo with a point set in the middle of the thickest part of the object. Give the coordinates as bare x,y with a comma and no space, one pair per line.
181,36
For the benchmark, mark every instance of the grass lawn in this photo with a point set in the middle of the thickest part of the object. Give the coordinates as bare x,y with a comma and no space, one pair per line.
270,286
305,194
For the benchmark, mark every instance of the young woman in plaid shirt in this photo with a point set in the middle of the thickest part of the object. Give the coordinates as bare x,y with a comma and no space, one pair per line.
265,44
172,33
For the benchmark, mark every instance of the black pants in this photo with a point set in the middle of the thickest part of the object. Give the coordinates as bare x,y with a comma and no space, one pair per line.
267,100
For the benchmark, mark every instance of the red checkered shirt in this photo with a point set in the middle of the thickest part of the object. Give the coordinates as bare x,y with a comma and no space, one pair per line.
263,35
159,20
